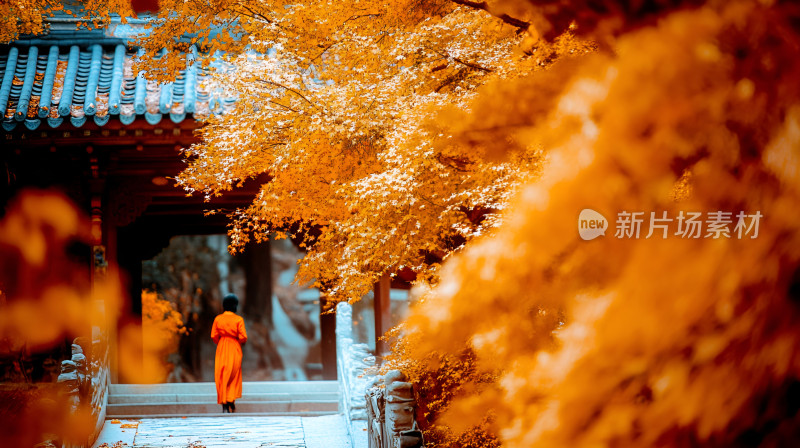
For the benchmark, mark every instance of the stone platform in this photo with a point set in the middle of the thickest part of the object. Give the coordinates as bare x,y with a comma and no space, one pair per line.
230,431
297,398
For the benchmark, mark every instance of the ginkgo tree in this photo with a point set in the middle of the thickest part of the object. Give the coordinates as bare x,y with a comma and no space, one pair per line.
660,341
333,103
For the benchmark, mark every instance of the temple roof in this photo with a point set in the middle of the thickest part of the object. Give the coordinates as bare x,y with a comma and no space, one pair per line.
73,74
75,83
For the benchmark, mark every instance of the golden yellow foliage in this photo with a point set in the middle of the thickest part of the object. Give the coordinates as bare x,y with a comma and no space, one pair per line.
162,327
334,103
26,17
46,294
47,297
439,378
650,341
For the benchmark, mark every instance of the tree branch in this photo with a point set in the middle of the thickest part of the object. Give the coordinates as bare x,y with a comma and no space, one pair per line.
282,105
266,81
470,65
446,55
482,5
254,13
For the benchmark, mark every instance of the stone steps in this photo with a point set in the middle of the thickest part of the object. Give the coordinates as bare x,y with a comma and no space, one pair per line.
212,398
305,398
248,387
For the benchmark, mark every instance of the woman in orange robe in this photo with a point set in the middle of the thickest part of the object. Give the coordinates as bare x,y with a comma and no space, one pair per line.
229,335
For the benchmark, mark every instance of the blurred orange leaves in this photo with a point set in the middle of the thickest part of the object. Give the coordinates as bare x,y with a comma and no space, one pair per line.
45,278
48,297
161,329
641,342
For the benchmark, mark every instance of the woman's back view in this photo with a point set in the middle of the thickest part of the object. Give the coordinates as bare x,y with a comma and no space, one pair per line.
229,334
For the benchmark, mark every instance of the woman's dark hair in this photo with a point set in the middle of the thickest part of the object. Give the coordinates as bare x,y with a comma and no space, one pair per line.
230,303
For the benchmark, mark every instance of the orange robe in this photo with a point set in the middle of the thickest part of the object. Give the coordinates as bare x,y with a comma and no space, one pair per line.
229,335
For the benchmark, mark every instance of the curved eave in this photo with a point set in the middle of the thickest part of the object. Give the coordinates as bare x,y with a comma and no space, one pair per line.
70,85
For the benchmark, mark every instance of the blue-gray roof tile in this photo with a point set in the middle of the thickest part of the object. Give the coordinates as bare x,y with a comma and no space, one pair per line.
82,82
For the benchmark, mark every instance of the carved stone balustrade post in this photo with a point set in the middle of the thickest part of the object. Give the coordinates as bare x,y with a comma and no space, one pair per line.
84,383
400,429
375,418
387,413
356,371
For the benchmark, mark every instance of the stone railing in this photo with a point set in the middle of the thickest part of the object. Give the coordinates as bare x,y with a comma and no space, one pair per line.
390,411
84,381
381,406
357,373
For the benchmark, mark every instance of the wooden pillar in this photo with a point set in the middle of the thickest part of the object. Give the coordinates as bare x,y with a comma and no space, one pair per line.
383,313
257,260
99,263
112,312
327,323
130,340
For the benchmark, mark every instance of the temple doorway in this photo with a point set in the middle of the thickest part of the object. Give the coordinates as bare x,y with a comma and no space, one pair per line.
193,272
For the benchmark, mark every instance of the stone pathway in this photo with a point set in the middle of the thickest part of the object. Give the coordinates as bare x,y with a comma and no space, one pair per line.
233,431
